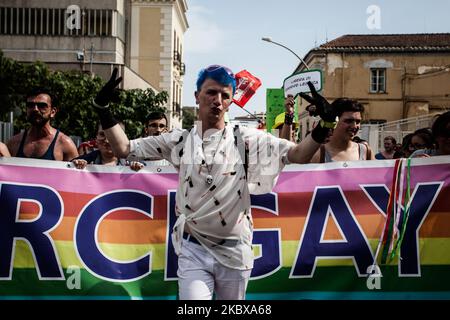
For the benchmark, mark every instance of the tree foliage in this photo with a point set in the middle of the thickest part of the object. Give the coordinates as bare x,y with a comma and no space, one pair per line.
189,118
74,91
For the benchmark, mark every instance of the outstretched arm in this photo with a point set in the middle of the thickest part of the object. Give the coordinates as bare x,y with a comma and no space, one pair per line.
118,140
304,151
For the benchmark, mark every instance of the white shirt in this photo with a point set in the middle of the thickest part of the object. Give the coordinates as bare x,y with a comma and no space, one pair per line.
218,214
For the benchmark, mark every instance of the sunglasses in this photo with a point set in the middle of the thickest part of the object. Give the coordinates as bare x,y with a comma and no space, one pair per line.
417,146
215,67
40,105
156,125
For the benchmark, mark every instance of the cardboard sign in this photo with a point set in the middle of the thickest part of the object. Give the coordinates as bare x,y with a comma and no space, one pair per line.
275,106
298,82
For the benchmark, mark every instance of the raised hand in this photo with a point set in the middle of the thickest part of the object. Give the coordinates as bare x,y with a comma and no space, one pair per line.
323,107
109,92
289,104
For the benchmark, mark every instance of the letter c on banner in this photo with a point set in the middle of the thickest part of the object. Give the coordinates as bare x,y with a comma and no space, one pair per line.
86,240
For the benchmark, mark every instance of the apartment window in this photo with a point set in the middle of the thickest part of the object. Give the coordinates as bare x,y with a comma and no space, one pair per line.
377,80
52,22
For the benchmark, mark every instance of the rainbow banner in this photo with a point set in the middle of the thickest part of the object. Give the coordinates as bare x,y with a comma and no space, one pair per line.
103,232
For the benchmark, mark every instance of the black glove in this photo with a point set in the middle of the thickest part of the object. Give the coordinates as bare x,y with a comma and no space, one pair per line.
109,92
323,108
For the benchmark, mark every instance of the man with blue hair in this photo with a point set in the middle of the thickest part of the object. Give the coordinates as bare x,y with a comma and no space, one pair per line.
219,167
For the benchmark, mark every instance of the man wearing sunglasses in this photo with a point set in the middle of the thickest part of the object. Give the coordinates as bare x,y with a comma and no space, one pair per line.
41,140
219,167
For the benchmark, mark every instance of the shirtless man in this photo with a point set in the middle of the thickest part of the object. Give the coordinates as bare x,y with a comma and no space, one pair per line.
42,141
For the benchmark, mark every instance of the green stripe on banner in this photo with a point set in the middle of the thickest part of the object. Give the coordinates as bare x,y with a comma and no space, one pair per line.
345,279
375,295
25,282
327,283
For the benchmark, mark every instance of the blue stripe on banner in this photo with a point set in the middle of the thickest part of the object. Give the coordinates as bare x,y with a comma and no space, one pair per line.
355,295
86,298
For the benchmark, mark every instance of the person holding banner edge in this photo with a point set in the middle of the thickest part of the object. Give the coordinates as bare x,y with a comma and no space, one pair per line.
219,167
4,152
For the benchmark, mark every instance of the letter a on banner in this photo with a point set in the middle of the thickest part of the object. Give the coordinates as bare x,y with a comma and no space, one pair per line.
246,86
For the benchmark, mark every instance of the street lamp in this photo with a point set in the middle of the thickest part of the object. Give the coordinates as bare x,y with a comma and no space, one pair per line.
267,39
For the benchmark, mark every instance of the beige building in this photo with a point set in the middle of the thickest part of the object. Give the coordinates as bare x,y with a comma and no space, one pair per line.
156,51
394,76
143,38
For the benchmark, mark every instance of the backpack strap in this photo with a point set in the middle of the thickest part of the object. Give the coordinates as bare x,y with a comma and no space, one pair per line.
322,153
243,152
369,153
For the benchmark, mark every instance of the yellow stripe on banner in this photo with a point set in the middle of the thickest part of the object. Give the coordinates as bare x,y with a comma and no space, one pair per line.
432,251
68,257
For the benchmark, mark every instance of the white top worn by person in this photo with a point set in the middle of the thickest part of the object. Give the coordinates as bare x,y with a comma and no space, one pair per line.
213,195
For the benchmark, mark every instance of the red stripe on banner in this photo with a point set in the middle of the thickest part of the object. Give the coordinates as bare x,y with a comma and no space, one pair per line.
74,203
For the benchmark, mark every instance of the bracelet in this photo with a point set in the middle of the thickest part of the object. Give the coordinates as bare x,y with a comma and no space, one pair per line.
326,124
288,118
99,106
106,117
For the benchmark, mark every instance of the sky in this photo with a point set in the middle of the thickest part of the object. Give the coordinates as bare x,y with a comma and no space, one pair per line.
229,32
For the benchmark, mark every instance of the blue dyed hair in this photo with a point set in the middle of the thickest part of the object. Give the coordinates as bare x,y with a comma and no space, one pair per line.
218,73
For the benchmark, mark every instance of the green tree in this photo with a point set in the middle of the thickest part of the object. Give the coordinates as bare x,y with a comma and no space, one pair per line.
189,118
74,91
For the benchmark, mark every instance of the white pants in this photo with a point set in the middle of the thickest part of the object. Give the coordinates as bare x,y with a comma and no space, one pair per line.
200,275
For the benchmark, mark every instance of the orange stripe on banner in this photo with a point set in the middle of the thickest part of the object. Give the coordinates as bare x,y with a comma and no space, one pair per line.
74,203
117,231
298,204
292,228
436,225
146,230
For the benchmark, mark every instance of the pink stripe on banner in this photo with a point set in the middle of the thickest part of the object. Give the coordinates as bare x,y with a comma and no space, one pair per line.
73,180
351,178
296,178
